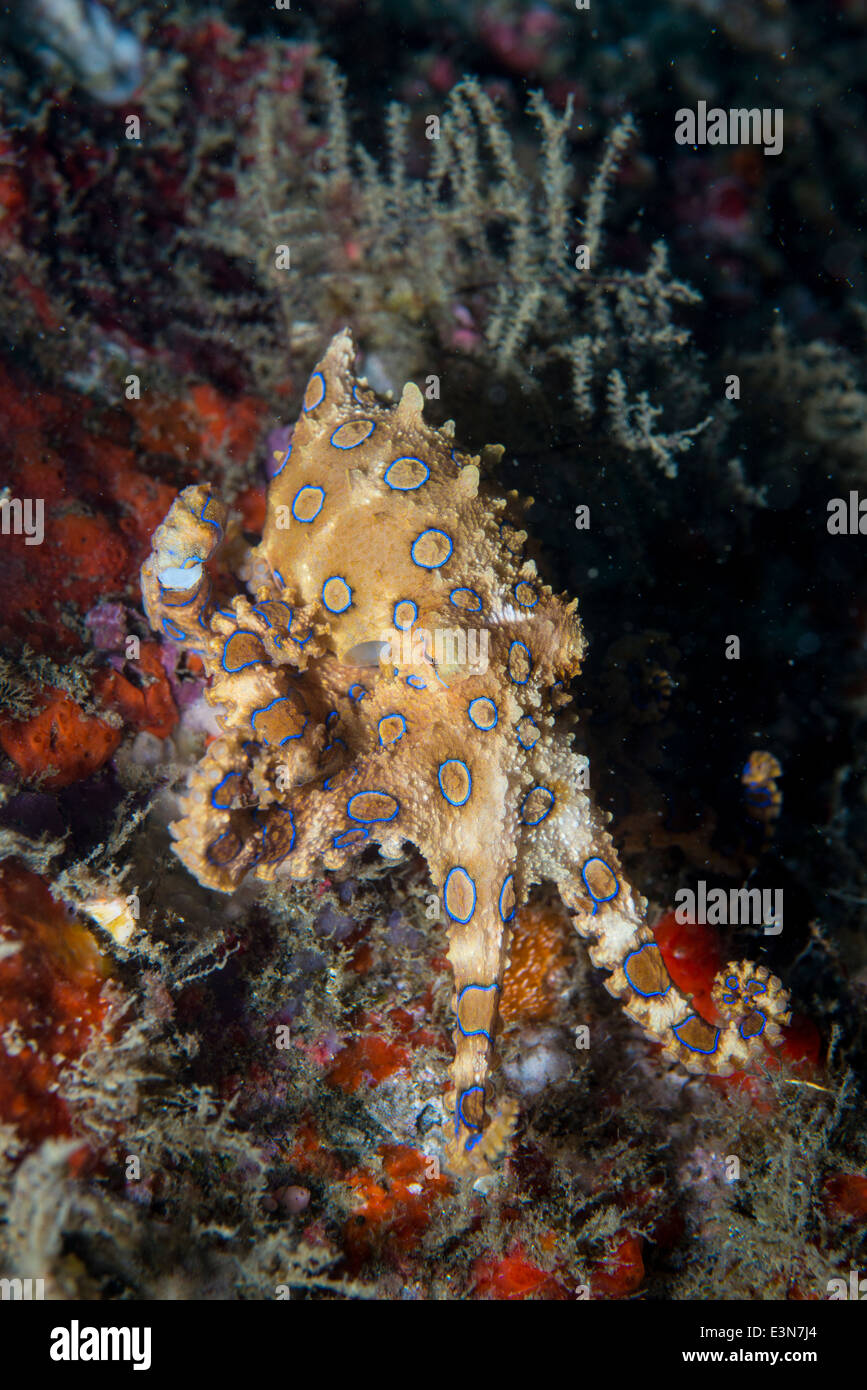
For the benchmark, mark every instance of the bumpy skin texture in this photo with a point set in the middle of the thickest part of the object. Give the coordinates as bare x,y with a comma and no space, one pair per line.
377,523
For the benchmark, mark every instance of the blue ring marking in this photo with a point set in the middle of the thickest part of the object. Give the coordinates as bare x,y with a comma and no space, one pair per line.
178,635
278,471
459,762
279,699
258,608
186,603
306,408
372,820
347,604
522,602
333,744
526,649
219,805
475,1032
349,837
473,1140
759,796
233,670
308,487
334,442
386,743
226,613
527,719
221,864
705,1051
201,620
596,901
507,881
466,607
411,487
355,395
415,683
432,531
654,993
299,641
280,580
356,691
545,813
329,718
758,1034
402,627
277,858
475,716
208,520
459,868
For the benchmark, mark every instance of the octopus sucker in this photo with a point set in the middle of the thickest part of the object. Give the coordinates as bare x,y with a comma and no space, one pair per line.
395,674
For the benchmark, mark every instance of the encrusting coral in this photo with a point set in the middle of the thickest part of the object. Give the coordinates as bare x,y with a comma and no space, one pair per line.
346,723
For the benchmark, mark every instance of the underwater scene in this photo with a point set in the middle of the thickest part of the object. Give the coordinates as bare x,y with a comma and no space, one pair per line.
433,651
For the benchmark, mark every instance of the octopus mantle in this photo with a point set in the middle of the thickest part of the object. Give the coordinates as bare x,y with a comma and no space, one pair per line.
393,676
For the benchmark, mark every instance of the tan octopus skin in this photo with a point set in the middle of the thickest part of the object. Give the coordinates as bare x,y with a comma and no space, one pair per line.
377,524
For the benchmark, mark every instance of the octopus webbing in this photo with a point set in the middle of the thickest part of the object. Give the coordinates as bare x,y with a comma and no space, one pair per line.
352,715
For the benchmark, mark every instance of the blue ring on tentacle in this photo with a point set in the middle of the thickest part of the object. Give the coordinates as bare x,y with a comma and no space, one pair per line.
459,868
178,635
278,471
509,879
241,631
364,437
263,709
347,604
308,487
545,813
187,601
475,1032
221,864
277,858
349,837
209,520
460,1119
432,531
280,580
526,649
411,487
386,743
219,805
415,683
525,719
597,858
465,607
357,691
483,700
460,763
764,1019
705,1051
258,607
372,820
644,994
402,627
526,585
307,408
